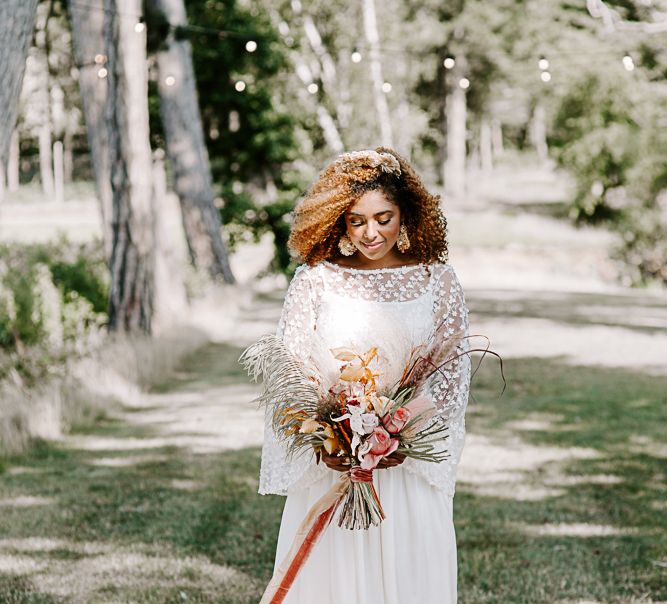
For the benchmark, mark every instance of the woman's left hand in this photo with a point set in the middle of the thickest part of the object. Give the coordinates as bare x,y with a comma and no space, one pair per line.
395,459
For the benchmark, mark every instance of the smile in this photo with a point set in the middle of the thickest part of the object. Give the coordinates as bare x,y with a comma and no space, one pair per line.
373,246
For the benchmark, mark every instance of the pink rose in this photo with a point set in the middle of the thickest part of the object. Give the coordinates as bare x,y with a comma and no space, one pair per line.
381,445
395,424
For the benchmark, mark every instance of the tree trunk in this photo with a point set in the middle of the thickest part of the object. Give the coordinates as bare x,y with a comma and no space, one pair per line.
46,157
188,156
87,21
455,167
58,172
538,132
133,250
13,162
43,95
17,20
381,106
497,139
68,154
485,147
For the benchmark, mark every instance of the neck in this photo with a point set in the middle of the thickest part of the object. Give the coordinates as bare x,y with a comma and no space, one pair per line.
390,260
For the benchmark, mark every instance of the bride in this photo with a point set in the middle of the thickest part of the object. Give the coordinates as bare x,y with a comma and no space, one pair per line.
373,244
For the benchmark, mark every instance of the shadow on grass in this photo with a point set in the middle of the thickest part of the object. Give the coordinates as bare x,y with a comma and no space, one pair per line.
206,506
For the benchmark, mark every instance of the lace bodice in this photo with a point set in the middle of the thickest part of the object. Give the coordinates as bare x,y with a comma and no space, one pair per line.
394,309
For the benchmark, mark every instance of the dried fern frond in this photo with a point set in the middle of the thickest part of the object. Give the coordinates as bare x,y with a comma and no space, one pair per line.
289,393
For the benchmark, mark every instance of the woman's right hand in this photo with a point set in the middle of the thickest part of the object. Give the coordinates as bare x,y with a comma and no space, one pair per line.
339,464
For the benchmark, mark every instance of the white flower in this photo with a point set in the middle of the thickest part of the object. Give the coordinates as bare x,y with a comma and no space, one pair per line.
368,422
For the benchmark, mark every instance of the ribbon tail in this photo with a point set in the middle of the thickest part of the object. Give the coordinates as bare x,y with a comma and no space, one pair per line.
308,534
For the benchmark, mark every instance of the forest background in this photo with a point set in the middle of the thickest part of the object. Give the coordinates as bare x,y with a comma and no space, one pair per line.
151,154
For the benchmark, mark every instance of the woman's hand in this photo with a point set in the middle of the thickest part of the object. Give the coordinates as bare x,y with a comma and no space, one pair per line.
342,464
395,459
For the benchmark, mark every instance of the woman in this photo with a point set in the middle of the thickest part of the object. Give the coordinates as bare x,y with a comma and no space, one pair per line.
374,249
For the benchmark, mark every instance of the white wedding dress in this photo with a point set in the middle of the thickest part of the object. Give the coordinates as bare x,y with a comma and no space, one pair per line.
411,556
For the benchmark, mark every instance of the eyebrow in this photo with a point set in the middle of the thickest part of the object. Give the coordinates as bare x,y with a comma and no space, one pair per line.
376,214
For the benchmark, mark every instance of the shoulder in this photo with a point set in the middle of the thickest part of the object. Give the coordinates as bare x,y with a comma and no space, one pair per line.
307,276
445,280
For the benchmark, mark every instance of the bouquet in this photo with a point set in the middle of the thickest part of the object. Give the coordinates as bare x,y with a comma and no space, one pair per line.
351,419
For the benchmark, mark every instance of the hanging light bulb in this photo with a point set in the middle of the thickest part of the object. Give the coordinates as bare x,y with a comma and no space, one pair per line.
251,46
140,26
100,59
356,57
386,87
449,62
313,88
170,80
545,76
102,73
239,86
628,62
543,63
464,83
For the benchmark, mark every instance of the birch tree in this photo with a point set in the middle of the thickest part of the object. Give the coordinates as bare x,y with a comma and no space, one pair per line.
186,150
17,21
133,247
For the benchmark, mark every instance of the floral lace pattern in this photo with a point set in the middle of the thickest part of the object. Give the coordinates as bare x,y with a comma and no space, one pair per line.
328,302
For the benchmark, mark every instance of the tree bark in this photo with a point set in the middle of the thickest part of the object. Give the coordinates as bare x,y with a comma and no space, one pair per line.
13,163
455,168
186,149
375,60
43,94
17,21
538,132
133,250
87,20
485,145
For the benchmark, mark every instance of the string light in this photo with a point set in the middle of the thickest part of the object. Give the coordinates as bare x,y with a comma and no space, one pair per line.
170,80
239,86
545,76
356,57
100,59
251,46
449,63
102,73
140,26
464,83
386,87
543,63
313,88
628,62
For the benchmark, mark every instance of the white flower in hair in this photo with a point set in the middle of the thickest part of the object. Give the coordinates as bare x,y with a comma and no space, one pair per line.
368,157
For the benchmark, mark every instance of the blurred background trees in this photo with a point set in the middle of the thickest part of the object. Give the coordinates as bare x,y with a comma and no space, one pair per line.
248,100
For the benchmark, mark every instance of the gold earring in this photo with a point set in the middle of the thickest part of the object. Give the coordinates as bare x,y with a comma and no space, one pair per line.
346,247
403,241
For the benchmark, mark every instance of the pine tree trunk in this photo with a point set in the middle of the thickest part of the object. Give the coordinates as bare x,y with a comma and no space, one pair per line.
13,163
17,20
133,250
455,167
538,132
186,149
87,20
381,106
485,150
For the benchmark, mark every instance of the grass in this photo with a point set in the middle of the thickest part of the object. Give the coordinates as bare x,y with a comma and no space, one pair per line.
168,525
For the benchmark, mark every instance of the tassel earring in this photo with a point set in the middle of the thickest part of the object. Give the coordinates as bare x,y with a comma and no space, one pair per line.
346,247
403,241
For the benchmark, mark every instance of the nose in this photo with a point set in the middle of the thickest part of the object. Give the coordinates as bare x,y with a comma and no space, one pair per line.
371,231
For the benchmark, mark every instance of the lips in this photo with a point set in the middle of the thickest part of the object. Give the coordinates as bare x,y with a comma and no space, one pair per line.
372,247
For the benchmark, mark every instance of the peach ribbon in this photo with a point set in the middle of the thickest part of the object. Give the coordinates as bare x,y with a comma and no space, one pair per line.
308,534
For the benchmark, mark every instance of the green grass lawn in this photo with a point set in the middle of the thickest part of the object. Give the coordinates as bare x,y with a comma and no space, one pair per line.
166,525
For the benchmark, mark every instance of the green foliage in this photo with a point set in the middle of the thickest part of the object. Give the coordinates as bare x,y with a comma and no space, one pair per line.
249,134
50,293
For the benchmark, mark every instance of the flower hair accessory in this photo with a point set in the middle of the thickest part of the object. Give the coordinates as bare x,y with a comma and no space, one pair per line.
370,159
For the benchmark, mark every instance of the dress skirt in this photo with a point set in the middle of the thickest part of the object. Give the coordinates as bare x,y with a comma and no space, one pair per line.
410,557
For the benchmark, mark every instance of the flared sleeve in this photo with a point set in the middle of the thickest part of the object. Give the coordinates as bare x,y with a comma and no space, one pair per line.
297,325
448,389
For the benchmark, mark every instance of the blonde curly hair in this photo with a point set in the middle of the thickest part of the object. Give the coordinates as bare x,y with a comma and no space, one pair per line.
319,219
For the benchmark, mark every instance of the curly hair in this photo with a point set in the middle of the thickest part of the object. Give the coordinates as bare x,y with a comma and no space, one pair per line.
319,218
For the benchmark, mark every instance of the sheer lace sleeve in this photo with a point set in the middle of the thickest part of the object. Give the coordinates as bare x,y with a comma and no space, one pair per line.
449,392
296,327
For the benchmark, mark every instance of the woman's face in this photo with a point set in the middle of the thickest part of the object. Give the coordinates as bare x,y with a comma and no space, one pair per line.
373,224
